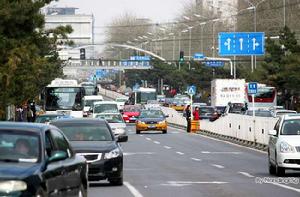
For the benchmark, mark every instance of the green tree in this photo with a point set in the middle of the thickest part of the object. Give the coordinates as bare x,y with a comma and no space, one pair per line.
28,52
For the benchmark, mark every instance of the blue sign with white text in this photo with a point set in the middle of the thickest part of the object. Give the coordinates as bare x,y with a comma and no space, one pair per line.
198,56
140,58
252,88
214,63
241,43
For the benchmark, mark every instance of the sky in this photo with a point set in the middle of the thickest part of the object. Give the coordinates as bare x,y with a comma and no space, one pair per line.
106,10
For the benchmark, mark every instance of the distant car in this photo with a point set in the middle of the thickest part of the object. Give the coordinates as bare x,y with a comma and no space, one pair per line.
259,113
116,122
151,119
208,112
37,160
89,104
152,104
94,139
131,112
103,107
281,112
168,102
161,98
121,102
46,118
284,145
90,88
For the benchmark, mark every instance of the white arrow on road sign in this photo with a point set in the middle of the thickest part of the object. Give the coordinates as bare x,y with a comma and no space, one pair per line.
255,44
228,43
241,43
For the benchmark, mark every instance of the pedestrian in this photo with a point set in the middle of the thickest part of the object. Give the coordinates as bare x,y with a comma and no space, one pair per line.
188,117
196,113
29,114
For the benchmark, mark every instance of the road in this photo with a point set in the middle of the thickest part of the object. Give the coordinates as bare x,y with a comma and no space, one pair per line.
191,165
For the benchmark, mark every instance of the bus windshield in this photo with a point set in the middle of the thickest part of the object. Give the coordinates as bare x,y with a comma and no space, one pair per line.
143,97
64,98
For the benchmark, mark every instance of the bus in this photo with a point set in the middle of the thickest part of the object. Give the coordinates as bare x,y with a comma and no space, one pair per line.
90,88
64,96
142,95
265,98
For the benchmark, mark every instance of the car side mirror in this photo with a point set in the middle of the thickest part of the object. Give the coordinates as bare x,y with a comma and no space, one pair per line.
273,132
122,138
57,156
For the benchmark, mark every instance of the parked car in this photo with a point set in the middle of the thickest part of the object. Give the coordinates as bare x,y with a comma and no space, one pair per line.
151,119
284,145
46,118
131,112
116,123
281,112
33,158
259,113
94,139
208,112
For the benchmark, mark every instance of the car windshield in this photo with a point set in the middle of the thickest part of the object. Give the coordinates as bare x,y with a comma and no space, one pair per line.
260,113
281,113
291,127
90,103
16,146
106,108
152,102
131,109
111,118
152,114
86,132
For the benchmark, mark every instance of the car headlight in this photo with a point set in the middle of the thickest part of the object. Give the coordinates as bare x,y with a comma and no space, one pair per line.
112,154
162,122
286,148
12,186
140,122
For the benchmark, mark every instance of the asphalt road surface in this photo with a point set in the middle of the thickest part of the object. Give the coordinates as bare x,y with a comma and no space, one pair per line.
179,164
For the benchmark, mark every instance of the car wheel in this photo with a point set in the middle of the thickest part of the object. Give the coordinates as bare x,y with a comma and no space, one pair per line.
40,193
165,131
82,192
117,182
138,132
280,171
272,169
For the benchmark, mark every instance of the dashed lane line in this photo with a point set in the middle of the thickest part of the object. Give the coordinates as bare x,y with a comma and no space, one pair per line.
195,159
167,147
218,166
156,142
133,190
246,174
180,153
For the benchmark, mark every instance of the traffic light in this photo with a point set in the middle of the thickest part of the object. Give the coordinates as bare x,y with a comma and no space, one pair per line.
82,53
181,56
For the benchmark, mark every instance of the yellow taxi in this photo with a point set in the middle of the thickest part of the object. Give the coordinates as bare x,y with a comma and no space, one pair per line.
151,119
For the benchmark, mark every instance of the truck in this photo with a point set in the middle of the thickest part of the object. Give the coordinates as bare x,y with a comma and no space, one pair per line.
224,91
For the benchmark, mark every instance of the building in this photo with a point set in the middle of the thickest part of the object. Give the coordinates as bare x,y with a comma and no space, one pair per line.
83,29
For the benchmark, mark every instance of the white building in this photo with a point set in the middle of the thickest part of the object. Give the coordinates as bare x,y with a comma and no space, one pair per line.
83,29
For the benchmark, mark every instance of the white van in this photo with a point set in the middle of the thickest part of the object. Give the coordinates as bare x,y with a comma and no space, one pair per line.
89,103
104,107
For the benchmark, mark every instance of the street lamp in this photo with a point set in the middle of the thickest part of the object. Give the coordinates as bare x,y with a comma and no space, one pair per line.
201,34
213,29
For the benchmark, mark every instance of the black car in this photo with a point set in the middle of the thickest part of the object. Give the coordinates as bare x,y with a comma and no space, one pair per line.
94,139
37,160
208,112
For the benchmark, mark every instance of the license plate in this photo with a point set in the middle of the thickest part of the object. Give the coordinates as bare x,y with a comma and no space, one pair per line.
151,126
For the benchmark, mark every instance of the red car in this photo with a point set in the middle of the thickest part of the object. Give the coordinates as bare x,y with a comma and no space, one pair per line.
131,112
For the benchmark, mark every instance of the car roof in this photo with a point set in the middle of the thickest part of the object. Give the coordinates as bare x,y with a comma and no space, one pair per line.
79,121
291,116
47,115
105,102
25,126
92,97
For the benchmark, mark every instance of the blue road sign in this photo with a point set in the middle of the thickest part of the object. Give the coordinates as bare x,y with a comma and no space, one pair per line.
191,90
99,73
140,58
214,63
198,56
252,88
241,43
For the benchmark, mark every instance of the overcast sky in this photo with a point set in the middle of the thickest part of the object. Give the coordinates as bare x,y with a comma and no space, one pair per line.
105,10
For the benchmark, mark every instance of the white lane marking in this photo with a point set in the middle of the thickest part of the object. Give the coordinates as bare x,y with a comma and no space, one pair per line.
246,174
139,153
187,183
180,153
156,142
195,159
149,139
133,190
218,166
286,187
207,152
141,135
167,147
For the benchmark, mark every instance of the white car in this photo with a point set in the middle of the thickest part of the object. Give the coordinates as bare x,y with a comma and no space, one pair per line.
116,123
284,145
89,103
121,102
103,107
